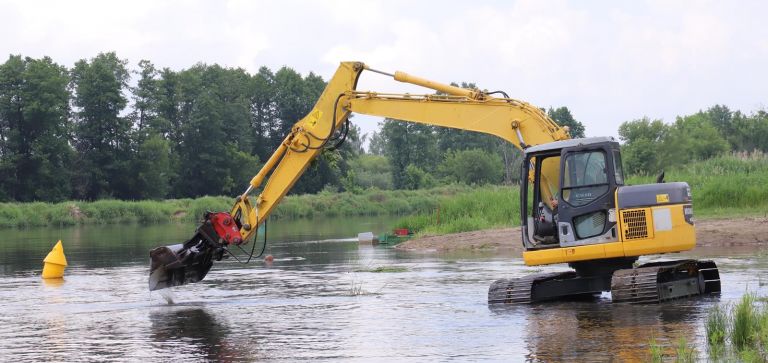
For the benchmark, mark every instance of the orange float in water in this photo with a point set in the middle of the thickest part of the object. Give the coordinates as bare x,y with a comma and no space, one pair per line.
55,263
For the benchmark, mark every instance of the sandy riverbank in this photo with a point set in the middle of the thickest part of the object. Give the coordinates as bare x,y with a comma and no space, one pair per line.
709,233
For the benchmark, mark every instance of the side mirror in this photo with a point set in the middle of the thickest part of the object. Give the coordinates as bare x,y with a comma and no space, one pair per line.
660,178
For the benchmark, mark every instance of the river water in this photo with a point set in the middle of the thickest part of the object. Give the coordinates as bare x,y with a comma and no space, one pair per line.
318,300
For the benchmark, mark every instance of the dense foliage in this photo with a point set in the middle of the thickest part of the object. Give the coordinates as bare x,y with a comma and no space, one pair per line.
652,145
101,130
423,155
90,132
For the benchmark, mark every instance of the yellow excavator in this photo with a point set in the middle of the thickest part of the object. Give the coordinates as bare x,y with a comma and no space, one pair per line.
575,207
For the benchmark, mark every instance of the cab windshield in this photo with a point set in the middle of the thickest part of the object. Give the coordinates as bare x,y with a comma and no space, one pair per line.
585,178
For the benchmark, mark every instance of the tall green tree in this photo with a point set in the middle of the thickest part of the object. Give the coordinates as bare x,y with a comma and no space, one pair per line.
415,178
146,99
643,140
692,138
743,132
409,144
292,102
450,139
35,155
751,132
168,105
11,81
563,117
101,133
370,171
376,143
152,167
262,106
473,166
650,146
721,117
152,153
511,159
214,154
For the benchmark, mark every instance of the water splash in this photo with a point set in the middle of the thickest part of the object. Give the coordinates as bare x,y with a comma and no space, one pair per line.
168,296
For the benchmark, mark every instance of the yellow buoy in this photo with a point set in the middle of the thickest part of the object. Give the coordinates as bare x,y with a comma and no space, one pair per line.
55,263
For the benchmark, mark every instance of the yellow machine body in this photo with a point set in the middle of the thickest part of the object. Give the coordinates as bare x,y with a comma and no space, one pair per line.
638,236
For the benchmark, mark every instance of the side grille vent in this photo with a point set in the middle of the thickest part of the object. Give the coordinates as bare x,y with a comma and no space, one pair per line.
635,225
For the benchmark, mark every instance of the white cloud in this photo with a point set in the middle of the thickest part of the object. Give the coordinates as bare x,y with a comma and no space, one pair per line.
608,62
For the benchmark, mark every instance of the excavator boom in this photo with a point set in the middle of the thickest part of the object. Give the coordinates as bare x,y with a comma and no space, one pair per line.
515,121
462,109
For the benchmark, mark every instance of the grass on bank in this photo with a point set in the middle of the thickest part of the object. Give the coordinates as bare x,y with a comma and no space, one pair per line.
371,202
726,186
735,333
731,185
682,353
481,208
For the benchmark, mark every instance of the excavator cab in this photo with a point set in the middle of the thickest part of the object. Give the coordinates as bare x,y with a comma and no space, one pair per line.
569,188
576,209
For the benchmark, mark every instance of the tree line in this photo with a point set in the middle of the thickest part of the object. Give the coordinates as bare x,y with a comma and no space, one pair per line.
650,146
101,130
88,132
422,156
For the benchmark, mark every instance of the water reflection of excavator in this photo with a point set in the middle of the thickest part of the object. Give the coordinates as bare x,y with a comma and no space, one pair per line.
575,207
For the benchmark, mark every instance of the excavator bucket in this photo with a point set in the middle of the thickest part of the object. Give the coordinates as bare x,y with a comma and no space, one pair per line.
179,264
190,261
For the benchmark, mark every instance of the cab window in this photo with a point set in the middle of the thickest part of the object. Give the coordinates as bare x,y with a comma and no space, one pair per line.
618,169
550,180
585,178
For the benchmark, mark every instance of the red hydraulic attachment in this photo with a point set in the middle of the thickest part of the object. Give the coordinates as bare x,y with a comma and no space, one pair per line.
225,227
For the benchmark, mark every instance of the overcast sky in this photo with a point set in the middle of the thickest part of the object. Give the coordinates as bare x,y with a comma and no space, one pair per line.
608,62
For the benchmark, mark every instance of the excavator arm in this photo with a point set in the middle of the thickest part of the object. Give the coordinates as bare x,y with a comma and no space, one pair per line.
518,122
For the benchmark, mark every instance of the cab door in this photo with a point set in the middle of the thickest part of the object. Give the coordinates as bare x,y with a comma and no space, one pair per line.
586,200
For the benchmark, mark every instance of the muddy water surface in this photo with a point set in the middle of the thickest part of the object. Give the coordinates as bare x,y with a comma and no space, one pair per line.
318,301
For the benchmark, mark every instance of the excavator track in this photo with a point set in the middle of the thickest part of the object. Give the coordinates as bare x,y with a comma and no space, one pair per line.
520,290
650,283
663,281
